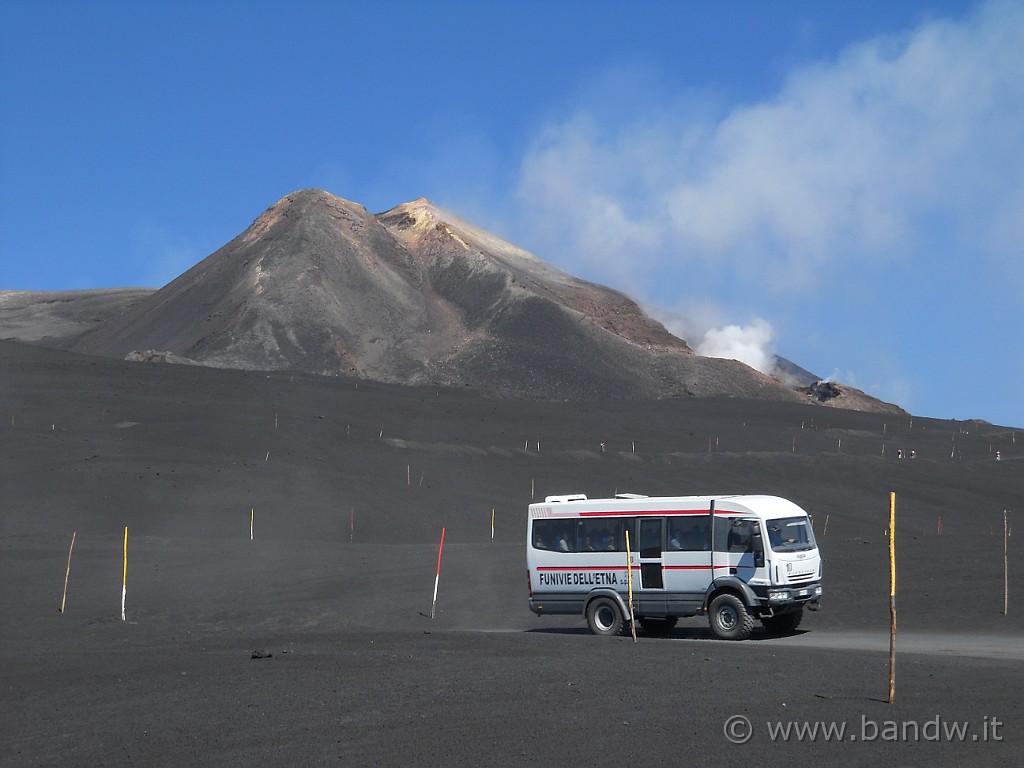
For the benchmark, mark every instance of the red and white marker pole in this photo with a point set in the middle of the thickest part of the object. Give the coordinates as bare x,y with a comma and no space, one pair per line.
437,576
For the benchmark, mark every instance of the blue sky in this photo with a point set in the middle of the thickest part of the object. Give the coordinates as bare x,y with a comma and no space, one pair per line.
840,183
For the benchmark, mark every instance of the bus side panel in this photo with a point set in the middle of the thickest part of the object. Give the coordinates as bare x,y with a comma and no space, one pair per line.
562,582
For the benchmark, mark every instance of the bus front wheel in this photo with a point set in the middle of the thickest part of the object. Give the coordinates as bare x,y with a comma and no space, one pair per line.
729,618
604,617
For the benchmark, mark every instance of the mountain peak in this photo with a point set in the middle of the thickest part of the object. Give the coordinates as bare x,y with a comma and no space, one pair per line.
418,215
413,295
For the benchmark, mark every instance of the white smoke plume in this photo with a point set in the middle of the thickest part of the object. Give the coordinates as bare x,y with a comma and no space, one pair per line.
852,161
750,344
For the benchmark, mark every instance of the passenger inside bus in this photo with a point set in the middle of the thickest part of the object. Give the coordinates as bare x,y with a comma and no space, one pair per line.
687,535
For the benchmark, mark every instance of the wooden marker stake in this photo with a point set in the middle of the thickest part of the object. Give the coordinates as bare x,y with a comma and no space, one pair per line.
492,525
252,522
67,573
629,582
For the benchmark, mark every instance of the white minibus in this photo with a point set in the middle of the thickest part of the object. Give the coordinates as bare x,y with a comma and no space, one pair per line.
736,559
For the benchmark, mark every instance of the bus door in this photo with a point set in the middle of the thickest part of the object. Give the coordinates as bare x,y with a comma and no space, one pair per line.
652,585
687,562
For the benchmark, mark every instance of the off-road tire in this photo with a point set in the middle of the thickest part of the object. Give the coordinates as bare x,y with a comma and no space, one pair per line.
604,617
729,618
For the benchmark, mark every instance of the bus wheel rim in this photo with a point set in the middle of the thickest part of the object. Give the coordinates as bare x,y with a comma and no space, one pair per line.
727,617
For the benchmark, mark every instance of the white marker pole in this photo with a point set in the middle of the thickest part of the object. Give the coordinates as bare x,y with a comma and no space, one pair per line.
437,576
124,573
67,573
492,525
252,521
1006,563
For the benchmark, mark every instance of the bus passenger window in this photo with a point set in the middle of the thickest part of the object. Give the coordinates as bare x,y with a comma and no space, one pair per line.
689,534
556,535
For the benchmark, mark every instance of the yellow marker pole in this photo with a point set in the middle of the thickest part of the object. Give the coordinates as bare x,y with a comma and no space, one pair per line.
124,573
629,582
492,524
892,596
67,574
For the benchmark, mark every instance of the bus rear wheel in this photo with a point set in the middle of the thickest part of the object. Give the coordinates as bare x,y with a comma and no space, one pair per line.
729,618
604,617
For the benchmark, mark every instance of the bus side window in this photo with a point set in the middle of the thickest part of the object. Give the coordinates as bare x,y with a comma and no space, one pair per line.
547,534
616,540
741,537
722,529
689,534
591,535
556,535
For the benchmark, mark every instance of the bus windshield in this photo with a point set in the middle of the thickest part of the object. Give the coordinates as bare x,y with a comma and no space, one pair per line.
790,534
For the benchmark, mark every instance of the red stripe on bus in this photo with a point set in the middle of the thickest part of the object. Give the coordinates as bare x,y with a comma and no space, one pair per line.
687,567
582,568
645,512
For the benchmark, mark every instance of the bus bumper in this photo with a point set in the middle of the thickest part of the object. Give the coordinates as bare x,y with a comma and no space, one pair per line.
805,593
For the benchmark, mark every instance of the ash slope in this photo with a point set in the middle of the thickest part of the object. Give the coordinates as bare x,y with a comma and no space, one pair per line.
359,675
413,296
57,318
